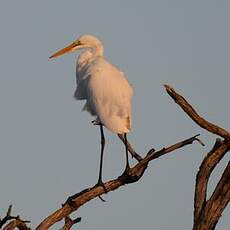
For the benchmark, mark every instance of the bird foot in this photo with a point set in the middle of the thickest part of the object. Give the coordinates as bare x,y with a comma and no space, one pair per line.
100,183
126,172
96,122
126,176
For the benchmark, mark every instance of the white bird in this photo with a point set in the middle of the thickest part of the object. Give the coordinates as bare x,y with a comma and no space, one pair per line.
107,92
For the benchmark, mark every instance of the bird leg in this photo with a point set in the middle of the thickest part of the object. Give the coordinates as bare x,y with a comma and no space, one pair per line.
130,148
102,153
126,152
127,167
100,183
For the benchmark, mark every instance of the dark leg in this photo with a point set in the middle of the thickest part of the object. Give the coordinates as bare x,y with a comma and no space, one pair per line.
126,154
100,183
102,153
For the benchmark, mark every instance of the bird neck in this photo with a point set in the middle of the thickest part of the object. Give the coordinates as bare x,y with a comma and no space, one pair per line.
84,57
97,50
90,53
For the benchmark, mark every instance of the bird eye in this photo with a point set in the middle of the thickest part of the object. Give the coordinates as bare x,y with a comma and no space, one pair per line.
77,43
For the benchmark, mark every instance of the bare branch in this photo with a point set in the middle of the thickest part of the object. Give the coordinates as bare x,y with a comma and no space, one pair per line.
206,213
176,146
7,217
69,222
190,111
219,199
76,201
16,223
213,208
209,163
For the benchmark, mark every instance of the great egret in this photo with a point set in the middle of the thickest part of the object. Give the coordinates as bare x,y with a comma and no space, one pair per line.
104,87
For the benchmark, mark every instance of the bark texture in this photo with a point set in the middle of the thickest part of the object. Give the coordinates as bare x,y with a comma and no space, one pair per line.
207,212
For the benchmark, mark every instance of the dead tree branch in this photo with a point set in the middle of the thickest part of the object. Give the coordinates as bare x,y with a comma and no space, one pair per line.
15,221
76,201
190,111
203,218
217,203
69,223
7,217
208,212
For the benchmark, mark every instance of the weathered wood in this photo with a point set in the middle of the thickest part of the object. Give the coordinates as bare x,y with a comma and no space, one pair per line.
135,173
208,212
190,111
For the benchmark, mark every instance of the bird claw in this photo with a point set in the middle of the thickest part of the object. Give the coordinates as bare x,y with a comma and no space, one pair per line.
96,122
100,183
103,200
126,172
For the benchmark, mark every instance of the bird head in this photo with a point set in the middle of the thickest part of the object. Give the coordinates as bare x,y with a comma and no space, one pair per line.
85,41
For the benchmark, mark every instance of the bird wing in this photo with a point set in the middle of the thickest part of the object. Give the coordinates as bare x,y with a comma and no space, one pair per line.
82,75
81,90
109,95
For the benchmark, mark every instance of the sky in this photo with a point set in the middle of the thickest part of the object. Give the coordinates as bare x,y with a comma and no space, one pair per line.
50,150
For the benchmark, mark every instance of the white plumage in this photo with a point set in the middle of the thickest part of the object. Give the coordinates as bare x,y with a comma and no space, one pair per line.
106,90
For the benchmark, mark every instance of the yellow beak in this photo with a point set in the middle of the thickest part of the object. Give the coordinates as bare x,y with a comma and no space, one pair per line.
67,49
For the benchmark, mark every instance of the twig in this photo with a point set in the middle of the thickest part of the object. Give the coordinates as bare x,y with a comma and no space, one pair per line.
16,221
69,222
7,217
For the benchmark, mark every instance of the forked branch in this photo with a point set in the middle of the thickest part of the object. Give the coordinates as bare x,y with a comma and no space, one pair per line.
13,222
208,212
135,173
69,223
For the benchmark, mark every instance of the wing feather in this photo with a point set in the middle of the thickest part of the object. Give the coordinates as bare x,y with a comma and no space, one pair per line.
111,96
107,92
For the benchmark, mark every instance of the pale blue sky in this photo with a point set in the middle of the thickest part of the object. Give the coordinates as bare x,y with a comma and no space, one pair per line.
49,149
